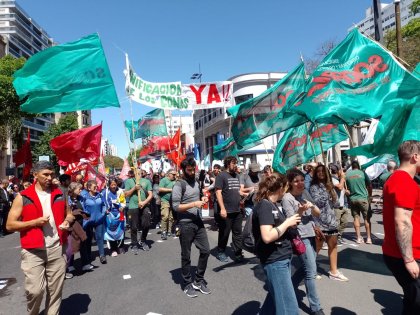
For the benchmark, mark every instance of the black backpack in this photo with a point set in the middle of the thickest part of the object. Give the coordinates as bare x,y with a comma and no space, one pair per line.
248,239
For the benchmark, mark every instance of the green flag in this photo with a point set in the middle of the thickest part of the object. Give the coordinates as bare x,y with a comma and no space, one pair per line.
300,144
396,126
229,147
151,125
357,80
266,114
66,78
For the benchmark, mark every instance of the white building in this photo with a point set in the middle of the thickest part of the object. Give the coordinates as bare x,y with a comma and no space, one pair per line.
367,26
177,119
213,125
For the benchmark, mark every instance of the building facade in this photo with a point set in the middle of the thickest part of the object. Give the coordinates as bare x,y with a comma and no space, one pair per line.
212,126
21,36
175,120
367,26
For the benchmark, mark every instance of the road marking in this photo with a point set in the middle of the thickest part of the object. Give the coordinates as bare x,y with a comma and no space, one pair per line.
175,237
354,245
149,233
151,313
125,277
159,241
377,233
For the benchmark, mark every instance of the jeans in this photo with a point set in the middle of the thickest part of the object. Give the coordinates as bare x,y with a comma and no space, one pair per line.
232,222
281,297
410,286
139,218
308,273
193,232
99,237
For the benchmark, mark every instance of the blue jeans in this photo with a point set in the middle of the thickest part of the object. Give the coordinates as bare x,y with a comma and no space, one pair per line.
99,236
281,297
308,273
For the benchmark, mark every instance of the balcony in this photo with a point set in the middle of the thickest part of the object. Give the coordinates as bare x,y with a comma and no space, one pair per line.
33,125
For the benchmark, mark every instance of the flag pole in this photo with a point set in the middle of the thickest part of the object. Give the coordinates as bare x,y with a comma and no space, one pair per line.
320,144
310,140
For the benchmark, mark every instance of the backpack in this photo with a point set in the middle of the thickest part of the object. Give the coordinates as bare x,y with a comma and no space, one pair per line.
183,189
248,239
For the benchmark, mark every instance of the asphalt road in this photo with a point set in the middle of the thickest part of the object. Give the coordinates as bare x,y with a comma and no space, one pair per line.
153,284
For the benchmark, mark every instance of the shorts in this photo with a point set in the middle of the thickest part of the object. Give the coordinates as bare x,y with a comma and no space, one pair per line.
331,232
358,207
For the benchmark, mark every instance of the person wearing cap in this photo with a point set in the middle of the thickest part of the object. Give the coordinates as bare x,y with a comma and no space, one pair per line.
249,186
165,192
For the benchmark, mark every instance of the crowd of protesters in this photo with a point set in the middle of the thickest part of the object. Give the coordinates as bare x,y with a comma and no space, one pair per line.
312,204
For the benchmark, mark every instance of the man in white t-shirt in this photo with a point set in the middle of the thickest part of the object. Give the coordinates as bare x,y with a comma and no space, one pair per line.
40,214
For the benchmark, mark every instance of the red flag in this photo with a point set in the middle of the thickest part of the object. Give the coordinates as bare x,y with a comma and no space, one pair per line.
72,146
176,157
91,173
125,169
24,153
176,139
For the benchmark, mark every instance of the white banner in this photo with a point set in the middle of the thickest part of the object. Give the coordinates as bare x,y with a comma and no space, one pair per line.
177,96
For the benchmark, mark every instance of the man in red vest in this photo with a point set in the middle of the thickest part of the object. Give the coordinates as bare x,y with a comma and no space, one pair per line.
40,214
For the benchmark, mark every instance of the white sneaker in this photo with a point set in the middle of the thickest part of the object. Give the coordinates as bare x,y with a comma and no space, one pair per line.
318,277
325,246
339,276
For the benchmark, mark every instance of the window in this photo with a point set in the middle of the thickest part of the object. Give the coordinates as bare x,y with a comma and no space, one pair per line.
243,98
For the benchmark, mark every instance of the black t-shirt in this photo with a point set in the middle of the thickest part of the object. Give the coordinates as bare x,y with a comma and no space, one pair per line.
266,213
229,184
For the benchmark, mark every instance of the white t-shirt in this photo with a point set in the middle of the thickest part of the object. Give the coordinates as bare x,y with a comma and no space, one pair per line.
50,231
339,192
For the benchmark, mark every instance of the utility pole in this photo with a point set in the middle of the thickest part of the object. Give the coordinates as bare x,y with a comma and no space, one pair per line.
398,26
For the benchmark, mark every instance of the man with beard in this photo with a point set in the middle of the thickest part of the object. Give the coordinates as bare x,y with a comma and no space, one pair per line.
227,193
249,186
187,201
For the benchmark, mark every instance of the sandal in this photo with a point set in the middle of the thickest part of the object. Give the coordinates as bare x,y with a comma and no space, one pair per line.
360,240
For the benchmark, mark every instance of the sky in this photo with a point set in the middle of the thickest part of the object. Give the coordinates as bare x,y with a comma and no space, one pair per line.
167,40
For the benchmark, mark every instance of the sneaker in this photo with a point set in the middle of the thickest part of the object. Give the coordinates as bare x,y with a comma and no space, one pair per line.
318,277
69,275
164,236
135,249
114,254
102,259
202,287
360,240
222,257
87,267
144,246
169,234
325,246
339,276
71,269
190,291
158,226
239,258
341,242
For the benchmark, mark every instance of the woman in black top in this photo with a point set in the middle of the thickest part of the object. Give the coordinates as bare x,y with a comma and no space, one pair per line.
273,247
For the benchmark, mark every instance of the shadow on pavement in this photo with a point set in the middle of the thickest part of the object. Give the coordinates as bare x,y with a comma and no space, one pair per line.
336,310
75,304
249,308
355,259
177,275
391,301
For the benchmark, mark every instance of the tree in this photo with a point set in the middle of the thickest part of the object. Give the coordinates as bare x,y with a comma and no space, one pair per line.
10,114
410,33
113,162
321,52
66,123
